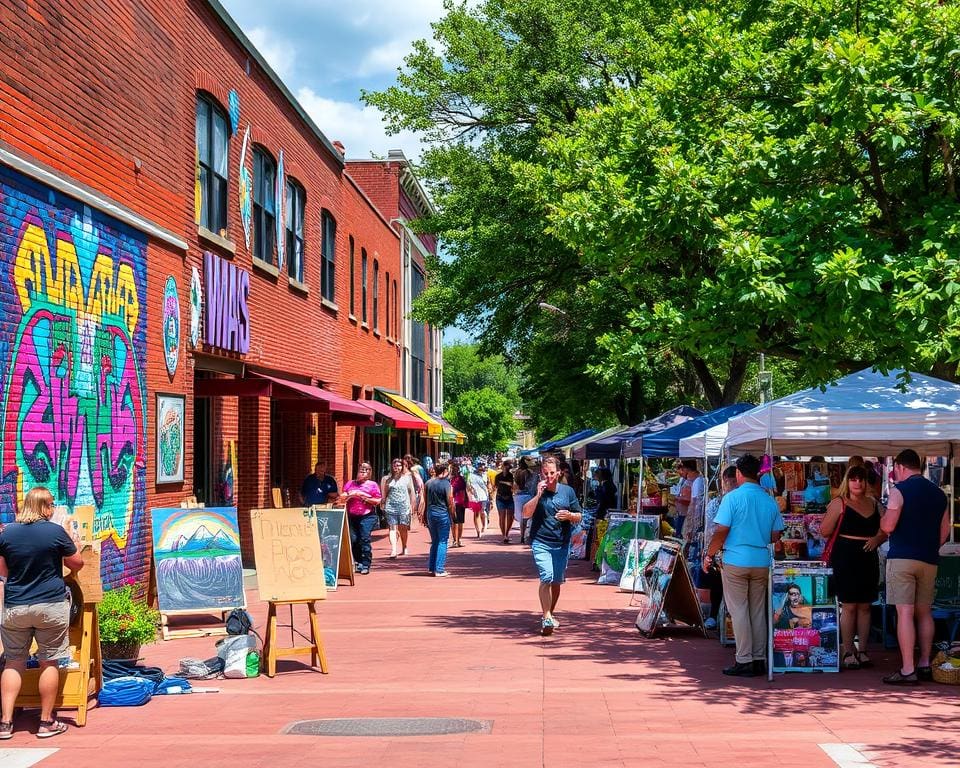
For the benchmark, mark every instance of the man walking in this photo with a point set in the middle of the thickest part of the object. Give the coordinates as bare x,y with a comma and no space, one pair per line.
747,522
918,523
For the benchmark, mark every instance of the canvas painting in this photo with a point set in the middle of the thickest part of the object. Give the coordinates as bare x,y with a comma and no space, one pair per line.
170,427
197,559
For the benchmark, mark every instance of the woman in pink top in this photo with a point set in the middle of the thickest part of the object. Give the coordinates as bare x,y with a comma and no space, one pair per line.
362,497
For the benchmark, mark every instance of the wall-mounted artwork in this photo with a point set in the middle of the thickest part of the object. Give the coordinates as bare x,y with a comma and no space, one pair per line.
73,341
171,325
170,428
246,190
281,208
233,102
196,307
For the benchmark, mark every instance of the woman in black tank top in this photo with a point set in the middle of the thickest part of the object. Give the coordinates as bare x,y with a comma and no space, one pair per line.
856,565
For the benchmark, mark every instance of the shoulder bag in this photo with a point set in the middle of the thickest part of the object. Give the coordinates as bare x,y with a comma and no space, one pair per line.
828,547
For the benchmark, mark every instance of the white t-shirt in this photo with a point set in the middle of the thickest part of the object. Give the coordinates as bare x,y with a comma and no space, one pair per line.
478,486
698,489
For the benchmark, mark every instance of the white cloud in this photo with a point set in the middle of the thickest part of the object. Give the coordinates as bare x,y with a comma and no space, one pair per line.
359,128
279,53
384,58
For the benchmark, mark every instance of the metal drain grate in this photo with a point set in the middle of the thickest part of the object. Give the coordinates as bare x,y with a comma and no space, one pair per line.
388,726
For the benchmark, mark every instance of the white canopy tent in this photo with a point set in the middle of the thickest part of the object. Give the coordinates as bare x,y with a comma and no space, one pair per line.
864,413
703,444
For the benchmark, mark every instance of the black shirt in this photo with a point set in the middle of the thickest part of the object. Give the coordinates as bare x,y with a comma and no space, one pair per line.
34,555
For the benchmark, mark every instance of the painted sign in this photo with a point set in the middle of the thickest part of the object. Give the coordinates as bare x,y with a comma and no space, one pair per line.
170,430
197,555
286,545
280,209
196,306
226,318
171,325
72,384
245,182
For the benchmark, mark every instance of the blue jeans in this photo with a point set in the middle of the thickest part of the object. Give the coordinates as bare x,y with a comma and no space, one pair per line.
361,527
439,525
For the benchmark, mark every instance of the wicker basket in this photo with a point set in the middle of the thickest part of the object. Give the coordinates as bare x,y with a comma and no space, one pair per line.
946,676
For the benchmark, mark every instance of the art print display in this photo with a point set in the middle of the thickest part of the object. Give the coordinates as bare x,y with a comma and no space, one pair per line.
613,549
331,524
171,418
197,559
196,307
804,618
171,325
638,566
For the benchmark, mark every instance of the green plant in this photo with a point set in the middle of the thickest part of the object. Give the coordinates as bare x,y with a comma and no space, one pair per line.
125,618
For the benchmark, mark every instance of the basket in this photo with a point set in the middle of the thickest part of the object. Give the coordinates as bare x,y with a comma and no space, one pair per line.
945,676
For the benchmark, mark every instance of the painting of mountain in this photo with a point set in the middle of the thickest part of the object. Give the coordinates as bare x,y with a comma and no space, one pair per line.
196,553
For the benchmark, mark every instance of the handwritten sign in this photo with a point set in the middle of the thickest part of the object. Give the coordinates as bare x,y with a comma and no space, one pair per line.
289,555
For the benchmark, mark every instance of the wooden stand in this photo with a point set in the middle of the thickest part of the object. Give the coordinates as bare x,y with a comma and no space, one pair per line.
169,633
271,651
77,684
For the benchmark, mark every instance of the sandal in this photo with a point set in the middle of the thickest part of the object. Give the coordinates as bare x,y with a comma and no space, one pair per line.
6,731
49,728
864,660
850,660
898,678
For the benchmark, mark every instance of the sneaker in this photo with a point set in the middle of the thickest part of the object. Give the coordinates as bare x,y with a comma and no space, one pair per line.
898,678
364,570
556,622
744,669
546,627
710,623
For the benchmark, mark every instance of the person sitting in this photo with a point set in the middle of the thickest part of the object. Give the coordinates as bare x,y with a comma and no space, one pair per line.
33,553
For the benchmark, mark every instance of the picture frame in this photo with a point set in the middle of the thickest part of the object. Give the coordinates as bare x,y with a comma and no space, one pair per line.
169,437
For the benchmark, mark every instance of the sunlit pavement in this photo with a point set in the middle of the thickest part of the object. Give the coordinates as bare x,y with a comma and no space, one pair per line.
404,644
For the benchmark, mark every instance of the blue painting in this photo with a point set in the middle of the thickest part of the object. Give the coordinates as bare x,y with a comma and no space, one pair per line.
197,559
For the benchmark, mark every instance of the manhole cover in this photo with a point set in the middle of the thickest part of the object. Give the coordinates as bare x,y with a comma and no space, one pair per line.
388,726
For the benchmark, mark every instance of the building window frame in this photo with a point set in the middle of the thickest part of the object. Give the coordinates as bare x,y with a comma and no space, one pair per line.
264,206
386,295
328,230
376,295
353,278
363,285
212,136
296,201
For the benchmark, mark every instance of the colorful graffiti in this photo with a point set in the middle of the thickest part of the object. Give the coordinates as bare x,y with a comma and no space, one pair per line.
72,392
245,181
233,101
196,306
170,430
171,325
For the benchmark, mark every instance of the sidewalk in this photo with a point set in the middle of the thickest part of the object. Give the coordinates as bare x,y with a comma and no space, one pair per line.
403,644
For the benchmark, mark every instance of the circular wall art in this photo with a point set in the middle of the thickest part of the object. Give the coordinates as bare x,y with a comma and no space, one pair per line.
196,307
171,325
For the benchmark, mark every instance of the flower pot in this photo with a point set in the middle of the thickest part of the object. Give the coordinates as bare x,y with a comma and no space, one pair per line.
122,649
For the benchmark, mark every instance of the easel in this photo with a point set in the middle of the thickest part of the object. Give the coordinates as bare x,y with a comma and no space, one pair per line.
271,651
77,683
675,597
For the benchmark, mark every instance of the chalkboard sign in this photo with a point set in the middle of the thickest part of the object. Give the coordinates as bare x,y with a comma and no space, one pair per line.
670,591
286,545
335,542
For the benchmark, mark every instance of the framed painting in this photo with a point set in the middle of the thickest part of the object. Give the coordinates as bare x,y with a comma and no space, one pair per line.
171,418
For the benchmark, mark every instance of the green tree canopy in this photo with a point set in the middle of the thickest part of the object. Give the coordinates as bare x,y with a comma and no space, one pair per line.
465,369
486,415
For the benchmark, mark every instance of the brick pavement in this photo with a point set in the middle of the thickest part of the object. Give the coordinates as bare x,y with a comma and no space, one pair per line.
403,644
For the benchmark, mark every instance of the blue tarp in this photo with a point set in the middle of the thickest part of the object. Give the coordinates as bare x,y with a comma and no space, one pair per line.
667,441
568,439
610,447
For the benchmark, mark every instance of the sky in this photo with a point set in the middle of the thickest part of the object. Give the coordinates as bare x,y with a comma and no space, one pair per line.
326,52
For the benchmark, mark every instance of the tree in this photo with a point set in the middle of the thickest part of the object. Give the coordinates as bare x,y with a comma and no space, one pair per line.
464,369
486,415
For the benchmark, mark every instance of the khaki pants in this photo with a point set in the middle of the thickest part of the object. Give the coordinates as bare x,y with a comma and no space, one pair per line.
745,595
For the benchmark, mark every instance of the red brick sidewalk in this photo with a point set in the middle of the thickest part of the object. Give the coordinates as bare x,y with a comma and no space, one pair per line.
403,644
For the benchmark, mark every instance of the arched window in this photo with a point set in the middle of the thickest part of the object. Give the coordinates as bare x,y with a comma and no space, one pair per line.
386,295
296,205
264,206
376,295
328,248
213,138
353,280
363,285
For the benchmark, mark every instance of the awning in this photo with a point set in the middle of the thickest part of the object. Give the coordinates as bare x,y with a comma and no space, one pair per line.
400,419
450,433
434,428
305,397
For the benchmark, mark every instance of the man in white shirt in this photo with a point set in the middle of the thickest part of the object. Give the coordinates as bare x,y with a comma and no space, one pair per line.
478,496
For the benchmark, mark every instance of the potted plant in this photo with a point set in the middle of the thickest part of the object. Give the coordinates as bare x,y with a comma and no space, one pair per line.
126,622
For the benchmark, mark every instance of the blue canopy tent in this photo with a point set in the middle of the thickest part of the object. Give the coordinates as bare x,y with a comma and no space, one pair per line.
564,441
667,442
611,447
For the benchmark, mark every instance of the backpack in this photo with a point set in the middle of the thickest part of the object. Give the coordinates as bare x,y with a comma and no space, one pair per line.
129,691
239,622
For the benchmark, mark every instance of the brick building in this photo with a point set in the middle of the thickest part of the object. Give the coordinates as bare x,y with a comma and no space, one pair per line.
195,292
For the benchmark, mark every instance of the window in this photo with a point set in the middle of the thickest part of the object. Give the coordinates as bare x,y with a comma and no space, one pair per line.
296,204
386,295
363,285
376,295
212,138
329,226
353,281
396,312
418,343
264,206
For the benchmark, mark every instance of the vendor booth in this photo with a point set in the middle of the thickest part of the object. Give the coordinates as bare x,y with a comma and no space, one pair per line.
612,446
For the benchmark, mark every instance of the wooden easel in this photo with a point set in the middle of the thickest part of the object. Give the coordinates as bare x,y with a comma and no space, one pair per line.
271,651
77,683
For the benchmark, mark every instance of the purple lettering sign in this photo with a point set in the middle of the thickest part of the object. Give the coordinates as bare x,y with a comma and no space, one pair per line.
226,318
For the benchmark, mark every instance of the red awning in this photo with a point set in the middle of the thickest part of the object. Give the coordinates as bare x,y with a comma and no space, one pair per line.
309,397
400,419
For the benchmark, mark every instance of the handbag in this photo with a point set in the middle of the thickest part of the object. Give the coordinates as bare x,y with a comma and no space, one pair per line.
828,547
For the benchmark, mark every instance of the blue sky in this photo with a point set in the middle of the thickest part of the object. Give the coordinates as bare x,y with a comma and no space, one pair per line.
326,52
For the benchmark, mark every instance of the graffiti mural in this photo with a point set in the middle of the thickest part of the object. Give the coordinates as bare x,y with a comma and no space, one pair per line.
196,306
171,325
72,390
245,181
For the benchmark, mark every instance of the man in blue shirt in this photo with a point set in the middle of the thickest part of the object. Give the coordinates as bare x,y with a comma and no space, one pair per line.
747,522
319,488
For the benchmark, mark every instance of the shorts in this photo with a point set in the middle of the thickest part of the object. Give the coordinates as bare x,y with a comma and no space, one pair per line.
398,517
475,506
505,506
551,561
47,623
911,582
459,513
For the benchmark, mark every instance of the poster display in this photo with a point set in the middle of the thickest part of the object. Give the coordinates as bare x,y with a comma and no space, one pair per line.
670,593
804,618
335,543
621,530
639,562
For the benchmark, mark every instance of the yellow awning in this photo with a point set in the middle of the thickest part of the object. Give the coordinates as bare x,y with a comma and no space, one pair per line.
451,433
434,427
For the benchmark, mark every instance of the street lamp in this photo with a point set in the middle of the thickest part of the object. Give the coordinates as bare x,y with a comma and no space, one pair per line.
551,308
